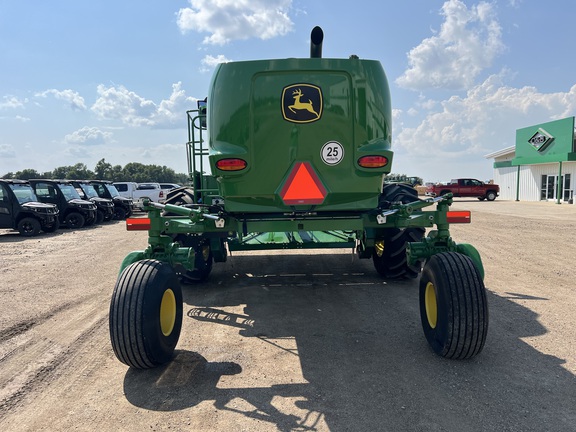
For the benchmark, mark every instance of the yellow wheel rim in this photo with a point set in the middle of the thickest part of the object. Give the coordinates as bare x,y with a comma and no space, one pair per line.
431,305
168,312
206,252
379,248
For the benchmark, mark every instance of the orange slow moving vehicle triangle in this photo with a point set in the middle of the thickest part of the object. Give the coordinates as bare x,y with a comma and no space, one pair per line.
303,186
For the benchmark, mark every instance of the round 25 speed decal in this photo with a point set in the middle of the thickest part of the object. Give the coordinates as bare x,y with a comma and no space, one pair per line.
332,153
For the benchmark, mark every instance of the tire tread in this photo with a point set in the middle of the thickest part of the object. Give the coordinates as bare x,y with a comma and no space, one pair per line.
467,311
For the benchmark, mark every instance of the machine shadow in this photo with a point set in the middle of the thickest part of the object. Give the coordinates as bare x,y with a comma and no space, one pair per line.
362,354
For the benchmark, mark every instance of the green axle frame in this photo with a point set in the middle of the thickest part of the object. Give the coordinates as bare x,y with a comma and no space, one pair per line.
295,231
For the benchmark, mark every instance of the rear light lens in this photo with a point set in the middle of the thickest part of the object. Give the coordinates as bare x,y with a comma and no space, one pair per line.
137,224
231,164
459,216
372,161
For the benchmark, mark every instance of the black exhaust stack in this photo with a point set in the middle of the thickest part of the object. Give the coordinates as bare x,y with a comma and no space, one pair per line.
316,38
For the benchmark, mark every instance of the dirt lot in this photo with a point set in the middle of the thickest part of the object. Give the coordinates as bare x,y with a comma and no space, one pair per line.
290,342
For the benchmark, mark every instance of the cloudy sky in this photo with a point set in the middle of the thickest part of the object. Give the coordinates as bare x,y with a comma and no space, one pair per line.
86,80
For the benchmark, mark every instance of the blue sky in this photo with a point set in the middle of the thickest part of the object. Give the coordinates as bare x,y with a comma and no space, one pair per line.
84,80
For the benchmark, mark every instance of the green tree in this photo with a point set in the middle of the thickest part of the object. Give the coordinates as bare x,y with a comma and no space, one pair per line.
60,172
116,173
182,179
103,170
133,171
80,172
27,174
74,172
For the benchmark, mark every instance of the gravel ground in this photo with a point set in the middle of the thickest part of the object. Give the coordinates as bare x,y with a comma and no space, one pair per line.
287,341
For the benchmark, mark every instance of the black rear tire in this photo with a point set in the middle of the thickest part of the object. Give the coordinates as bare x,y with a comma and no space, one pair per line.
389,255
119,213
397,192
203,260
146,314
29,227
453,306
180,196
74,220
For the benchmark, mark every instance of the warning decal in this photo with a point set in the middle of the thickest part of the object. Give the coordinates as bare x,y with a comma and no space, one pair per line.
303,186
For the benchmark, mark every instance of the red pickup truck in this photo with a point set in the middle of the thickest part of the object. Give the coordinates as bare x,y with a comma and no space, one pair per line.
465,187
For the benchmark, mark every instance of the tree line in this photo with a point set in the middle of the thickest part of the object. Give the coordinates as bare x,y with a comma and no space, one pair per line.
133,171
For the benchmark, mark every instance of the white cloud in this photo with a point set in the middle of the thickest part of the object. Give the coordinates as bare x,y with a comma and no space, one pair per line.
119,103
7,151
227,20
73,98
467,43
11,102
484,120
88,136
171,111
18,118
209,62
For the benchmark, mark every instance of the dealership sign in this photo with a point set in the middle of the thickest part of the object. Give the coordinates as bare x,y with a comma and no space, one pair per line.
540,140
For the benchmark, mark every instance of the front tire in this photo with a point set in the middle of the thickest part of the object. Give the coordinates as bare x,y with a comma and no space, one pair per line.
29,227
490,195
453,306
146,314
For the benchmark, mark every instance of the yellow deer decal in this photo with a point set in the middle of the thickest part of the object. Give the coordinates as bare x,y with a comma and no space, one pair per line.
297,94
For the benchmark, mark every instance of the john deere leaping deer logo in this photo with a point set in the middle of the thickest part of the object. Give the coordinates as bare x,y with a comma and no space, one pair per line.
302,103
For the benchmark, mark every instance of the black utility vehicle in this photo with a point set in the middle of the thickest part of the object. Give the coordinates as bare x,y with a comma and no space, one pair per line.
21,210
104,206
74,211
123,207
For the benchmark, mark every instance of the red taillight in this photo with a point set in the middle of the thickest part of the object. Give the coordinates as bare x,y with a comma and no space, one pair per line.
137,224
459,216
161,194
231,164
372,161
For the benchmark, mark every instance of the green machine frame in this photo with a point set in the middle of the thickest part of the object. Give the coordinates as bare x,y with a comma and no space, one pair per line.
266,122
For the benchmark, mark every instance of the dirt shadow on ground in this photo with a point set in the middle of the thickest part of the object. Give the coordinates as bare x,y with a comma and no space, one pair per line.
362,352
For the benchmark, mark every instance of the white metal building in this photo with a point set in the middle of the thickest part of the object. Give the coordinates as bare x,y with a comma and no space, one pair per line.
541,166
